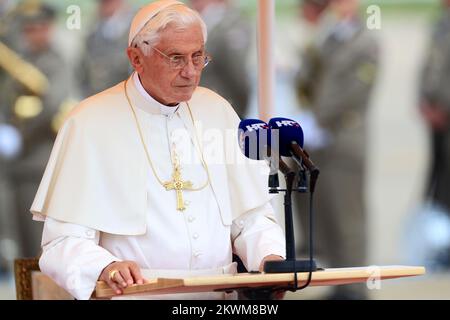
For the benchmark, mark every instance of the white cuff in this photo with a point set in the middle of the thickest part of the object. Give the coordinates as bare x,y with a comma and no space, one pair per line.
72,257
256,235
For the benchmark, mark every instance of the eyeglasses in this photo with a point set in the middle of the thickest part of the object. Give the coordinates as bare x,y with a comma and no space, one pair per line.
178,62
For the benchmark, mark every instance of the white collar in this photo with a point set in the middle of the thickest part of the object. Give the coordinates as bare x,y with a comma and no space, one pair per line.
165,110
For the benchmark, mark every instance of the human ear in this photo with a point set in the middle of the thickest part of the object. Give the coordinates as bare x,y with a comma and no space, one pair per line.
136,58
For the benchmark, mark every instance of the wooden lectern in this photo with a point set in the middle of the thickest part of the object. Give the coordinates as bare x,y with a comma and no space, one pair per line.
326,277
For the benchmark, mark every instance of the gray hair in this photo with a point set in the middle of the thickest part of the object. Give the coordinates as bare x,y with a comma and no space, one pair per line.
178,15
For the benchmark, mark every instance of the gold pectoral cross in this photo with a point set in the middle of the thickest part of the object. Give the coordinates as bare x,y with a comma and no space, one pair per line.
178,185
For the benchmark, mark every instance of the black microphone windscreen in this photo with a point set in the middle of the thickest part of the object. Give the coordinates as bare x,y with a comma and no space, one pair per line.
254,138
289,131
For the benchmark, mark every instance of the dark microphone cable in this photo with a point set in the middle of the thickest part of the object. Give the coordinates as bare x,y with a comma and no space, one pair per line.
311,246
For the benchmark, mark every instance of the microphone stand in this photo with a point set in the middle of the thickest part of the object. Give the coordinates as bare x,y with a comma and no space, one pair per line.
291,264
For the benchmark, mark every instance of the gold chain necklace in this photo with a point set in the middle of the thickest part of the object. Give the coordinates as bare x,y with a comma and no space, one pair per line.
176,183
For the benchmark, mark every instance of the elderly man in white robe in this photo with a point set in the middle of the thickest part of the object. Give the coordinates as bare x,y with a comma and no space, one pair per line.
121,200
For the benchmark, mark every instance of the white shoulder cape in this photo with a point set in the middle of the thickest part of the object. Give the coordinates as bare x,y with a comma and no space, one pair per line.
97,172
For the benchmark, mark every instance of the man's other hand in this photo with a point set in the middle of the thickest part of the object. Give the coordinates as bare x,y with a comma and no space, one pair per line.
271,257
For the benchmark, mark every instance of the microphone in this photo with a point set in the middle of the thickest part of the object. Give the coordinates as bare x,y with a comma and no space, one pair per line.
291,144
255,143
254,138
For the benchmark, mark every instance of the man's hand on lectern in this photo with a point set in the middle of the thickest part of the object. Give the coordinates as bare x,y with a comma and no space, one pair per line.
120,275
271,257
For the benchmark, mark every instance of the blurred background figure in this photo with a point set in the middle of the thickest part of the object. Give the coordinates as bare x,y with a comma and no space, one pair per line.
8,245
336,78
312,13
30,107
7,23
229,44
105,47
306,78
435,110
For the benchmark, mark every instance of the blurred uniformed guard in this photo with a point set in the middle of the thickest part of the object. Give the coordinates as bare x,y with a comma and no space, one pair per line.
104,48
435,108
229,44
340,76
32,100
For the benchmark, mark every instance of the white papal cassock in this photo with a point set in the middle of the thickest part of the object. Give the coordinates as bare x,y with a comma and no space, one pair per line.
101,202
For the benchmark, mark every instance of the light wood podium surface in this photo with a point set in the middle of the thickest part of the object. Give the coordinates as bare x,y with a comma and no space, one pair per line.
326,277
